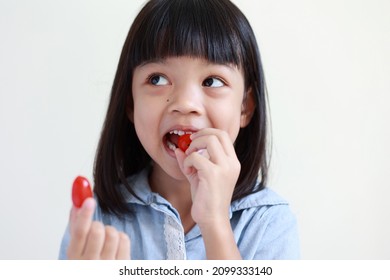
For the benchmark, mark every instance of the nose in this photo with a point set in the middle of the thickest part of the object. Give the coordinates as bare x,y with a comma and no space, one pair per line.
186,99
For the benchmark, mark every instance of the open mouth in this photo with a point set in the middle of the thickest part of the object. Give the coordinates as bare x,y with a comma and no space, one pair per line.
172,137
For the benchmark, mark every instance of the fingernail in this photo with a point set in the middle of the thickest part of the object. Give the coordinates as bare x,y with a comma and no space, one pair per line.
203,152
89,203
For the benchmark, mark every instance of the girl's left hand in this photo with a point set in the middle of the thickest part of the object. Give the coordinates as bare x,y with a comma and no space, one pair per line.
212,168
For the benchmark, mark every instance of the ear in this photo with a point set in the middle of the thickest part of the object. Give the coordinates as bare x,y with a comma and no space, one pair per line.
247,108
129,109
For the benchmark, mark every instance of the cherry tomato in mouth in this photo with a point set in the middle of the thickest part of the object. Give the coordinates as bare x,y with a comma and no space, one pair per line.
184,142
81,190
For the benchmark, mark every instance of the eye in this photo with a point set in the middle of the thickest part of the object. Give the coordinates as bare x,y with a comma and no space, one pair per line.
213,82
157,80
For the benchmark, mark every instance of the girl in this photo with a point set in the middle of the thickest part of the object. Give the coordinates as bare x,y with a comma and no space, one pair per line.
187,67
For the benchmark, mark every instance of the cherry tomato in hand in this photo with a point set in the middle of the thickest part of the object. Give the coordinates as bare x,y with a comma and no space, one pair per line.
184,142
81,191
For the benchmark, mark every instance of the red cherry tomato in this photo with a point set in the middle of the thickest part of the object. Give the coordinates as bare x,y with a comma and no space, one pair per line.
184,142
81,191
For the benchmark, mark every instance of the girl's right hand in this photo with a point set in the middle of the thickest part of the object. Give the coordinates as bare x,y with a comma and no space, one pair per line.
91,240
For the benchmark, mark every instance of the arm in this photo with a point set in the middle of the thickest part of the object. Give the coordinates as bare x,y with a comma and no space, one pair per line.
213,175
219,242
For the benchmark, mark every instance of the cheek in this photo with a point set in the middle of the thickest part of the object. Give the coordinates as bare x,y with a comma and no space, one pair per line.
141,121
141,114
234,128
146,123
227,118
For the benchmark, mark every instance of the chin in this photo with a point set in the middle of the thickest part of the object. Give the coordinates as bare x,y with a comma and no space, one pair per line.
172,171
176,174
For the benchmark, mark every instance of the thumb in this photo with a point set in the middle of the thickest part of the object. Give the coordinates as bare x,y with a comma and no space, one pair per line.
181,156
82,216
80,222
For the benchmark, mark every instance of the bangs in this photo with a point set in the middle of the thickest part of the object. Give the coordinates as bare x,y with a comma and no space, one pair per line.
187,28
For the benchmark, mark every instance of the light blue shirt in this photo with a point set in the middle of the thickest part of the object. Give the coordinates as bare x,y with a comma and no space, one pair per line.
263,226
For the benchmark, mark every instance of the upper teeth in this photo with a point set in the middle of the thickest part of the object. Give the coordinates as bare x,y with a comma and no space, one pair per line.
180,132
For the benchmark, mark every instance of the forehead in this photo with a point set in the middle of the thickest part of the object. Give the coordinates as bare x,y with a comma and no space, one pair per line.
186,61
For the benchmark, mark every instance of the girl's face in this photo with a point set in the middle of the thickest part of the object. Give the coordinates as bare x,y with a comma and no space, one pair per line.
184,94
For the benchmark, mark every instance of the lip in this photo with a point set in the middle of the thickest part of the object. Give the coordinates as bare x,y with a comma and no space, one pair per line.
176,127
182,128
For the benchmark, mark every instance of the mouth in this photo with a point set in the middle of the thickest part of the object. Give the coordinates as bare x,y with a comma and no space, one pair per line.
172,137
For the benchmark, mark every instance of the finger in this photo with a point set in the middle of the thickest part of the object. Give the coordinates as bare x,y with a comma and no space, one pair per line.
95,241
110,243
124,246
181,156
80,223
223,137
197,163
210,143
72,217
204,153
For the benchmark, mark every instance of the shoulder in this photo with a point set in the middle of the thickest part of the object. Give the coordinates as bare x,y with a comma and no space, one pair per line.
266,225
265,197
265,205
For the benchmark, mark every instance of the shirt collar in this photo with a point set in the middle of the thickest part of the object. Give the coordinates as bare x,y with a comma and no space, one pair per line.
264,197
140,185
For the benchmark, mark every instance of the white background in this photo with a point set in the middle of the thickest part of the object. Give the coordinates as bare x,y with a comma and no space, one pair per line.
327,66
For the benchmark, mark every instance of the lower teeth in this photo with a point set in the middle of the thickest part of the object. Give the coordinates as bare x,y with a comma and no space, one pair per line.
171,146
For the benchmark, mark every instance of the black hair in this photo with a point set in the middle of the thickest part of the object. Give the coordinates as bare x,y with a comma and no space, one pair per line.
215,30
